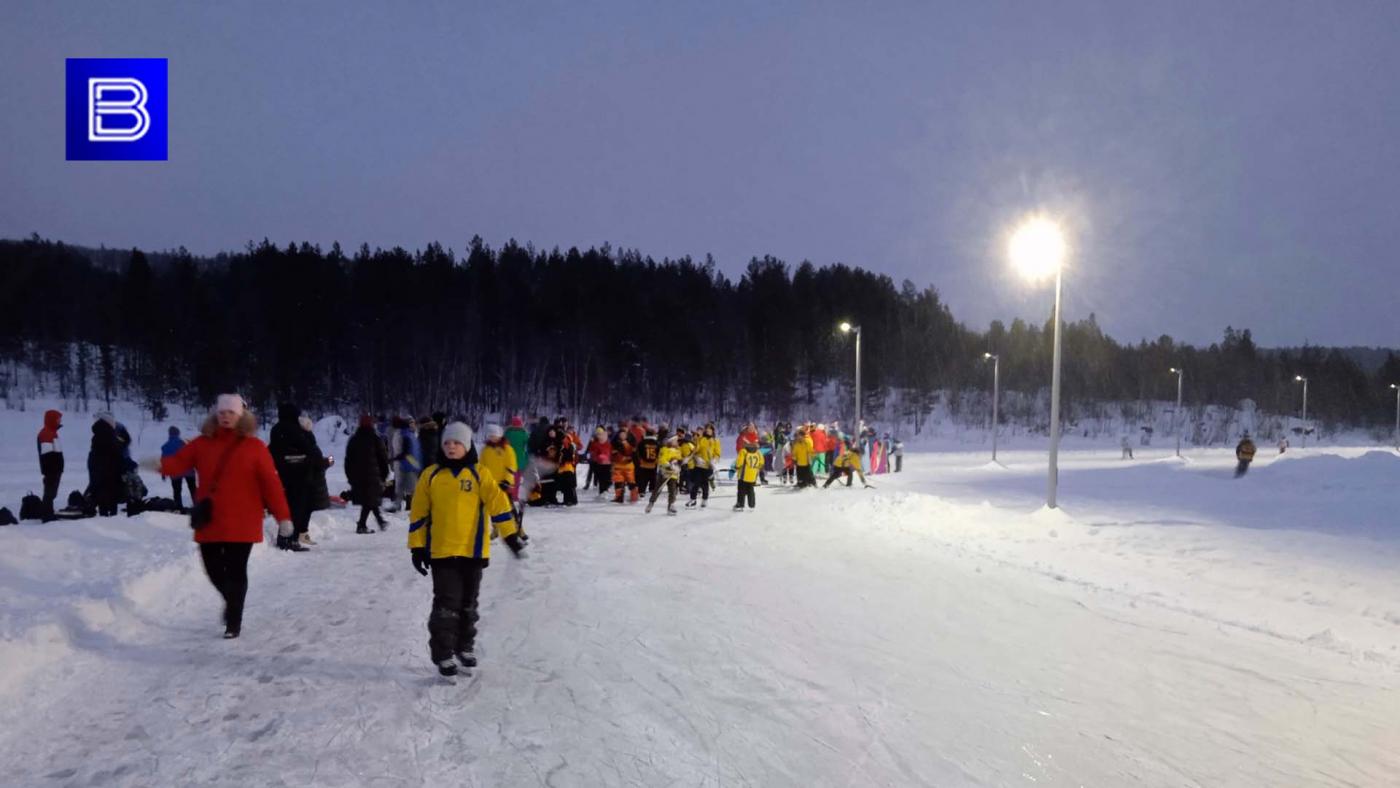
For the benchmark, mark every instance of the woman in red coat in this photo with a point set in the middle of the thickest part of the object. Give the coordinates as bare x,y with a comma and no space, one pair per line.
236,473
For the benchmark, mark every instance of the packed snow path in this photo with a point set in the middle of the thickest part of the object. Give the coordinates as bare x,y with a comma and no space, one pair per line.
838,637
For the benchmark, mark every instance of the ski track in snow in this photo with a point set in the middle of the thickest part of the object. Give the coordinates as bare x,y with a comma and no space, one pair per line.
1153,632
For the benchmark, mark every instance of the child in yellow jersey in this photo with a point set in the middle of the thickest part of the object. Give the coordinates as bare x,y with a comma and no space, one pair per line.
705,457
456,502
847,463
498,457
747,466
668,468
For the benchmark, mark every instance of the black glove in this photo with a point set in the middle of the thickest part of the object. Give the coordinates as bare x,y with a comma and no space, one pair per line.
517,548
421,561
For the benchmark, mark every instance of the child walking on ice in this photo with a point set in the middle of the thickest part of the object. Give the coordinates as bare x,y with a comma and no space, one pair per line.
454,506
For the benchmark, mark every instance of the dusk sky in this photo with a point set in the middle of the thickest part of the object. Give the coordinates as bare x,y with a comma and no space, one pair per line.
1215,163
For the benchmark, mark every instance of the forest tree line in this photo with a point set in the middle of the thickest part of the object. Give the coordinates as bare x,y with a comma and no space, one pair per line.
591,333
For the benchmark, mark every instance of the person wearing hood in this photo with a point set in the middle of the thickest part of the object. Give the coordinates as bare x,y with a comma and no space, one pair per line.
366,468
237,483
295,455
429,429
177,483
455,505
50,459
320,490
105,468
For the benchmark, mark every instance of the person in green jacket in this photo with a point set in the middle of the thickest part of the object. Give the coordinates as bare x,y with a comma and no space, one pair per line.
518,438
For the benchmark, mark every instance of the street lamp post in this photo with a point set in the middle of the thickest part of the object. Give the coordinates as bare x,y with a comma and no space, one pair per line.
996,397
848,328
1179,374
1038,249
1396,386
1305,406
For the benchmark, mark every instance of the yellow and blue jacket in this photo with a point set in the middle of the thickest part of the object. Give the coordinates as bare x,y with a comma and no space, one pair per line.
499,459
668,462
453,512
748,465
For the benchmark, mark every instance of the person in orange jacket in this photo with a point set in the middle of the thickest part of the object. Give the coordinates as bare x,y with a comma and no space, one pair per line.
624,469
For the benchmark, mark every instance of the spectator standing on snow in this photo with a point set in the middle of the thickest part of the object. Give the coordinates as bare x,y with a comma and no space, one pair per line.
1127,448
172,446
454,506
320,491
1244,453
294,453
50,459
600,460
1282,444
898,455
237,482
105,469
519,439
366,468
407,456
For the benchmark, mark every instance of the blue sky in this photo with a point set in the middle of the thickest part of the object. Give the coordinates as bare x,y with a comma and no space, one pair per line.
1216,163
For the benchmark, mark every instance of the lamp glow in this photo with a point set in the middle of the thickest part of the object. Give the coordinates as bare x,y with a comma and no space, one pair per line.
1037,249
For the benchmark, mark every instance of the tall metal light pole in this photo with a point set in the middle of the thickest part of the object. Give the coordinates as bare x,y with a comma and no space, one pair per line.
1396,386
996,397
1179,374
1305,406
848,328
1038,249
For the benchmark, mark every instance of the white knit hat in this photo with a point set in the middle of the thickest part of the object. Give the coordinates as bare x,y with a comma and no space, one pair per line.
494,432
457,431
231,402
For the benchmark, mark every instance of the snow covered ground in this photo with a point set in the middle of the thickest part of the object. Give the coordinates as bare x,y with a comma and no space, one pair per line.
1168,626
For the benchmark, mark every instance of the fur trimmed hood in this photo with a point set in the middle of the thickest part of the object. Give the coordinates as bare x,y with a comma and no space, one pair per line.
247,425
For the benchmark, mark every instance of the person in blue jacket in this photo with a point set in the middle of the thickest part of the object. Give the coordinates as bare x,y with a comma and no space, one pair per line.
170,448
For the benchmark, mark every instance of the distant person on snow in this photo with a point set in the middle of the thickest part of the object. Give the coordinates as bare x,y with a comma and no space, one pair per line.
50,459
106,466
1244,452
293,455
668,467
1127,448
366,468
898,455
847,464
747,466
1282,444
407,454
237,481
177,483
600,461
454,506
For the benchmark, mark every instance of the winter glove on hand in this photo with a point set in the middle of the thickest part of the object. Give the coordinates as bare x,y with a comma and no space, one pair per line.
284,528
517,548
421,561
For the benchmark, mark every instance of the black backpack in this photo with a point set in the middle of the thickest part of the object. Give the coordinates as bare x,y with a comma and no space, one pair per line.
31,507
7,517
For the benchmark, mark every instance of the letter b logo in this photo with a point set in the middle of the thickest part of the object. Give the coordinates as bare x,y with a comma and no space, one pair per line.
117,109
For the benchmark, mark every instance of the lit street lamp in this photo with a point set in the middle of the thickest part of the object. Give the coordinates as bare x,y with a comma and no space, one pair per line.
1300,378
1177,419
1038,250
996,397
848,328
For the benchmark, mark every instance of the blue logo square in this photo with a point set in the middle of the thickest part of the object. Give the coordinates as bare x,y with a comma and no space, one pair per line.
117,109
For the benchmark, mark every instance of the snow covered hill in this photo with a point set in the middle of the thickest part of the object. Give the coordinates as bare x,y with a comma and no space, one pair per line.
1169,626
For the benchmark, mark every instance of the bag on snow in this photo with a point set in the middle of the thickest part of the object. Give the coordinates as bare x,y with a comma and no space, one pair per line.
7,517
135,488
159,504
31,507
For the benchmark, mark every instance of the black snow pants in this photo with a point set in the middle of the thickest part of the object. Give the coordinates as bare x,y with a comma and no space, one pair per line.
452,623
700,483
226,563
50,492
746,494
177,485
805,477
646,480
